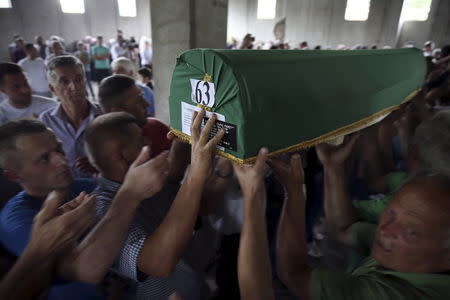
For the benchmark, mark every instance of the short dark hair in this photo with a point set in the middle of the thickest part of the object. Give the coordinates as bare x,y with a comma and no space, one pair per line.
28,46
107,128
8,69
9,132
146,72
111,89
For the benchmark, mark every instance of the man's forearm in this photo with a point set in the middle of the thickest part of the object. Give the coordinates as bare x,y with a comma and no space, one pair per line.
29,277
339,211
254,269
291,244
179,157
90,261
164,247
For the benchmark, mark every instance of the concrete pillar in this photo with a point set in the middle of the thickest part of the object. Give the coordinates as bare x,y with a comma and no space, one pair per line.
179,25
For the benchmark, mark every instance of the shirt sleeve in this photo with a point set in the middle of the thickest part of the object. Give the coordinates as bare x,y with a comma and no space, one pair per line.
16,227
370,210
126,262
335,285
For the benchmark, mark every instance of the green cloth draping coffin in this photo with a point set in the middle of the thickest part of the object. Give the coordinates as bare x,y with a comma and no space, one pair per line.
290,99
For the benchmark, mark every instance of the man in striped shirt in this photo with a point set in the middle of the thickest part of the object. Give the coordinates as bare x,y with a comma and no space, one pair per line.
163,224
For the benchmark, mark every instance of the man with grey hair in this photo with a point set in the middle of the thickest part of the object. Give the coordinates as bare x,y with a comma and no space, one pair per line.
124,66
74,112
407,256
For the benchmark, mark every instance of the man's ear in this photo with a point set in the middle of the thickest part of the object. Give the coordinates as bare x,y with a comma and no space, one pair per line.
11,175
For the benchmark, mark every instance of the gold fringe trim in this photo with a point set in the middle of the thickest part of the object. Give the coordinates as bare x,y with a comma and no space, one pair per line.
207,77
309,143
204,107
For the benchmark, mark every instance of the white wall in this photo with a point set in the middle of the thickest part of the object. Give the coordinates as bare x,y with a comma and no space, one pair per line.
44,17
321,22
436,27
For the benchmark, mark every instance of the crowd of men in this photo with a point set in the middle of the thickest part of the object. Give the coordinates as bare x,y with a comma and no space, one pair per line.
104,202
95,54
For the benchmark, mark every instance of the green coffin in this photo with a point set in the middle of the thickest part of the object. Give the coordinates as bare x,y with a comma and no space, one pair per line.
290,99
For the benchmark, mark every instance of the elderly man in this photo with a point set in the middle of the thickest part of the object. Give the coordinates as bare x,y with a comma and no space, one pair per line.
20,102
164,224
71,116
125,66
31,155
406,257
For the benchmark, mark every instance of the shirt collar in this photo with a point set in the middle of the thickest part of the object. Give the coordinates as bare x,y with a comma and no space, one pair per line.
94,111
108,185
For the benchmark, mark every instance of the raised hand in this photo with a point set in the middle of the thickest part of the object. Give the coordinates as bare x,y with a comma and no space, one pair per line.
336,155
57,226
290,174
146,176
203,150
251,178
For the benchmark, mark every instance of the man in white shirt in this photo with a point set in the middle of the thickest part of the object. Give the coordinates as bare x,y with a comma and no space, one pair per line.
120,48
34,66
20,103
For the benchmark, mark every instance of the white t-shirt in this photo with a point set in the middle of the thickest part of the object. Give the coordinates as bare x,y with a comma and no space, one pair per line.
35,70
38,105
146,57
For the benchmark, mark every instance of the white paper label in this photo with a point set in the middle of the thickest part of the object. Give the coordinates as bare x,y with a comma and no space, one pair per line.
203,92
187,111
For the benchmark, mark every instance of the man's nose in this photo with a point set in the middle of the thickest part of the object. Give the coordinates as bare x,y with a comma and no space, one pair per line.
390,229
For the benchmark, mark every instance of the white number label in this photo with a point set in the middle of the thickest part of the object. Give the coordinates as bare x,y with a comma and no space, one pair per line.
203,92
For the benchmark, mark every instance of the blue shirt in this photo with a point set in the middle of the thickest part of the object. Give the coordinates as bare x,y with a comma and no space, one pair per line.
16,221
148,96
72,139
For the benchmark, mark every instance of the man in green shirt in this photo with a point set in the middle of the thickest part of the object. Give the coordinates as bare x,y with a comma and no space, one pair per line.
409,259
100,55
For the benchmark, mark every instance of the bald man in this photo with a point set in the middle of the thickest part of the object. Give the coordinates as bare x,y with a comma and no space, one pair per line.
407,256
153,253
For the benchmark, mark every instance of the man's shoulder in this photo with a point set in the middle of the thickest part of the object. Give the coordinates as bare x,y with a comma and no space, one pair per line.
23,61
371,281
82,185
19,209
45,116
144,88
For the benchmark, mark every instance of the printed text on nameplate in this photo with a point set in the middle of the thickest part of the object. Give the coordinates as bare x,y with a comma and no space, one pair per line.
228,141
